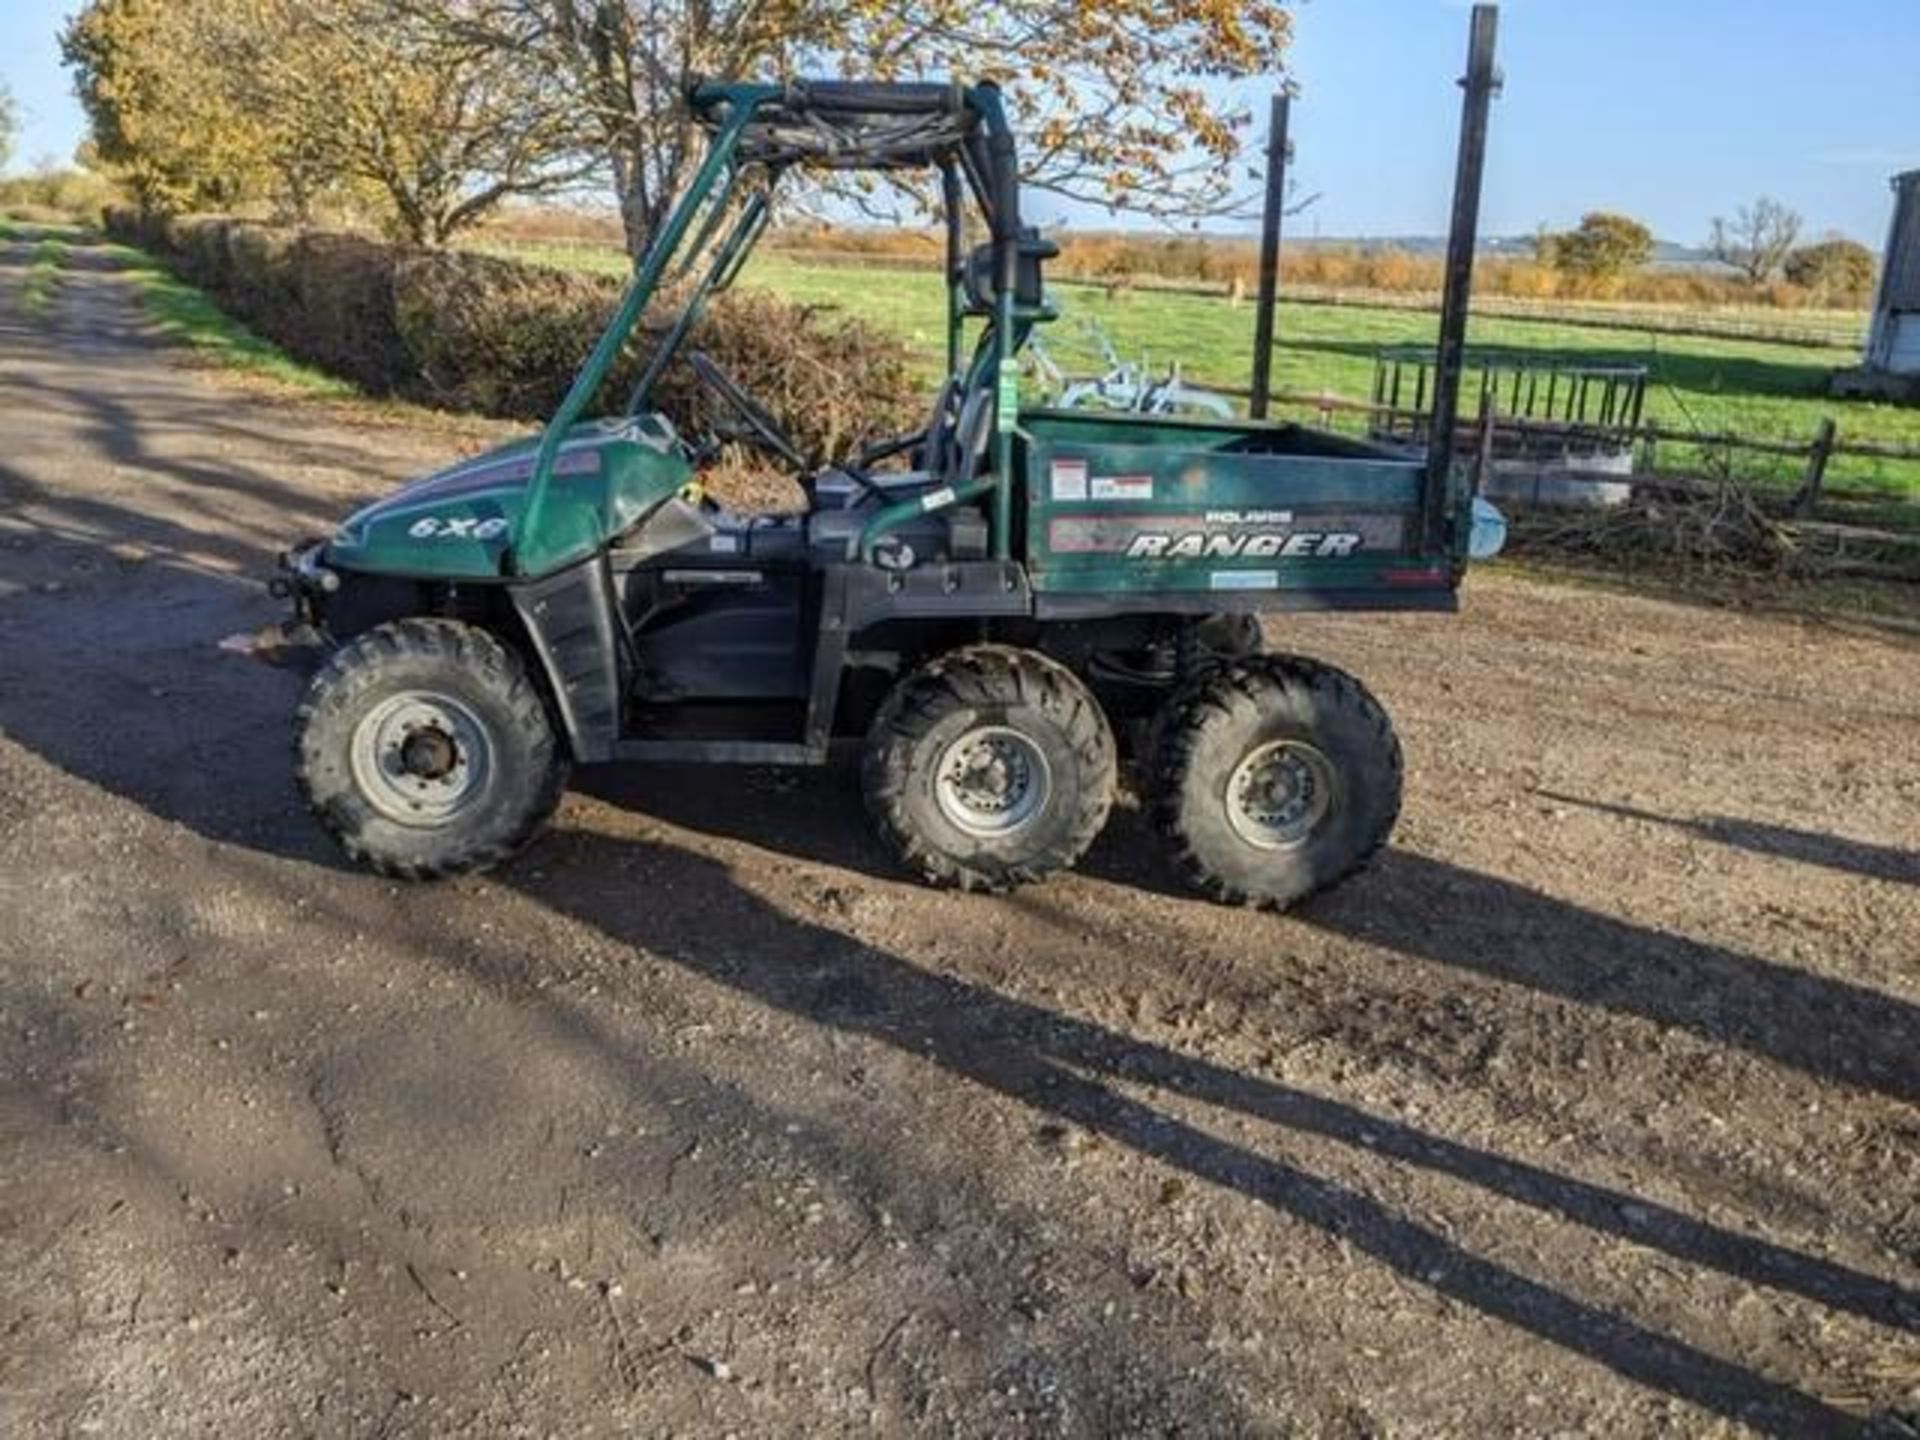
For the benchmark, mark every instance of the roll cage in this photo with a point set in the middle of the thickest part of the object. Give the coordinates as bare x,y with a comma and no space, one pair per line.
757,133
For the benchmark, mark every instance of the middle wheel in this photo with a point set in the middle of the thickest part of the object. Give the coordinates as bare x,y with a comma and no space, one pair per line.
988,768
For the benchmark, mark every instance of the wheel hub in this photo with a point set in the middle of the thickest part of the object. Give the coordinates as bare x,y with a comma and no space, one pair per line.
991,781
1280,794
429,754
421,758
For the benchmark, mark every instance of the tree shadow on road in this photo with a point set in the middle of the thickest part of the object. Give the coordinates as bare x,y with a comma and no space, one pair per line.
1070,1068
1440,912
1808,847
1073,1069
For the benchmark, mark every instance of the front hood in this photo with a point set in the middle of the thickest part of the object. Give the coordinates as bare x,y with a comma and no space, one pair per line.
464,521
500,475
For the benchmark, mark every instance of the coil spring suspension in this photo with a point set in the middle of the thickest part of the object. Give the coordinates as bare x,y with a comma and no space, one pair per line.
1190,654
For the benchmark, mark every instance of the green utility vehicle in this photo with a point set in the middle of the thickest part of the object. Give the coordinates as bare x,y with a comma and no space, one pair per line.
991,605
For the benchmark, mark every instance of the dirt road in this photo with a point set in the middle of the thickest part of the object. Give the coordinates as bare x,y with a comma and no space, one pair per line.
1591,1110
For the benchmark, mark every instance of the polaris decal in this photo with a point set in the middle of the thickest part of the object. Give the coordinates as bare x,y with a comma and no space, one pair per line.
1226,535
486,472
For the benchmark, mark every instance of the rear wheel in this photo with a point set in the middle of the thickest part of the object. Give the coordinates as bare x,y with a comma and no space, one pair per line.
425,751
1275,778
988,768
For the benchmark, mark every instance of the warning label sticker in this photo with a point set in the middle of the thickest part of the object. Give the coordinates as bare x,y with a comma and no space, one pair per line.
1122,487
1069,479
1007,397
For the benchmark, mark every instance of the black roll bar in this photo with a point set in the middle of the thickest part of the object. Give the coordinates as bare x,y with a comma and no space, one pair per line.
1481,83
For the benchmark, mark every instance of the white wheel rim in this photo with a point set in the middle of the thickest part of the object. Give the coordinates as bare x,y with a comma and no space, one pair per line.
992,781
1280,794
421,759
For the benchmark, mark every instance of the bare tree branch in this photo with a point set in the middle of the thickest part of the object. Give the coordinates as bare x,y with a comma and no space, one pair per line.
1758,239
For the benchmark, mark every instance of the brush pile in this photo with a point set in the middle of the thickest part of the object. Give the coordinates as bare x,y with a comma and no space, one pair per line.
1718,524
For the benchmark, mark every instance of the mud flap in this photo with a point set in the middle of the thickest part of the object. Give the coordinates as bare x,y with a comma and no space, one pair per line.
569,619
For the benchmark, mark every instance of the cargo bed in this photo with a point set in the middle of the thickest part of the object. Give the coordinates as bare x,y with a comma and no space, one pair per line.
1177,508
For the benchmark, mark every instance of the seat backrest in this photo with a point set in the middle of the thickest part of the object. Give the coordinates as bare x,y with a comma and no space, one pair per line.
971,432
939,426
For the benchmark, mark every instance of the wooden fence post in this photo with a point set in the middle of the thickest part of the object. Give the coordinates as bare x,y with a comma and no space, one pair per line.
1807,499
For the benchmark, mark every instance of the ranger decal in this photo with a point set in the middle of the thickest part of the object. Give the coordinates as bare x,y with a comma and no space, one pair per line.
1260,535
1263,545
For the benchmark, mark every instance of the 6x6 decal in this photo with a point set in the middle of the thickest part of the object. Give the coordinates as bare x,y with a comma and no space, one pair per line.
433,527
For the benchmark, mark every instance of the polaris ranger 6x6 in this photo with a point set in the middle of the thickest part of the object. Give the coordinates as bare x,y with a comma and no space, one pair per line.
983,604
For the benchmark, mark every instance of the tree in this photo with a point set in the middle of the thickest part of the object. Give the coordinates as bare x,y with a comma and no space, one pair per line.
364,92
1109,96
161,122
1757,240
9,125
1835,268
1604,247
202,103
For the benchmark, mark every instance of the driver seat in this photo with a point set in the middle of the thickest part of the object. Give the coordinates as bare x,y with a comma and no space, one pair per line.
837,530
838,486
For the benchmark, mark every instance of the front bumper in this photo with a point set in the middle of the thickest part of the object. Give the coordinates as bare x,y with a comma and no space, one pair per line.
303,578
301,641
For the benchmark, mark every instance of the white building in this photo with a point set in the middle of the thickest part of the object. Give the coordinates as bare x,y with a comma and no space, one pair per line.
1891,367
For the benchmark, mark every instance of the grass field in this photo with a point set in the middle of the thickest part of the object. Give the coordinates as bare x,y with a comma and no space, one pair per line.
1705,384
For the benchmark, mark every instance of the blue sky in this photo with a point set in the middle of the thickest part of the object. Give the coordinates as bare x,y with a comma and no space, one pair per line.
1672,110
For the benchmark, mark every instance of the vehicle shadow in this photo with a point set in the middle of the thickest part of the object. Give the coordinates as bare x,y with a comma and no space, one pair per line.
1808,847
1071,1069
1431,909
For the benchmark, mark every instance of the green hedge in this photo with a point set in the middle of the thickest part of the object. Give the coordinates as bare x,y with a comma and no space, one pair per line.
480,333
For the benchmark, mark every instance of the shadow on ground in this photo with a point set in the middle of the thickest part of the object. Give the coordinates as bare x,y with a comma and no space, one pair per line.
1782,842
1416,906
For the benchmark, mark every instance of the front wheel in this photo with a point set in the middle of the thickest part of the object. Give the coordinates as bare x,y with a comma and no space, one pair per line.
424,749
1275,777
989,768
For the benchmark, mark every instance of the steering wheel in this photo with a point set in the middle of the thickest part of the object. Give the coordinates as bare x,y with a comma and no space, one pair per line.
761,428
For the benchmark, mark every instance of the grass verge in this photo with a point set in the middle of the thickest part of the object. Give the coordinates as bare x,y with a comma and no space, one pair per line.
40,283
185,316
